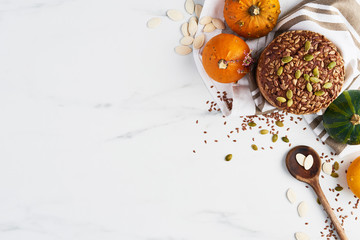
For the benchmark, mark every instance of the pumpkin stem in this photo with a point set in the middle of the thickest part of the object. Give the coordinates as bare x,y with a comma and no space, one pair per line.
222,64
254,10
355,119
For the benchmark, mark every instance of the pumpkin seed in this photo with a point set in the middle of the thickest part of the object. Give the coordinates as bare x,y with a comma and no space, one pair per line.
209,27
314,79
274,138
175,15
309,87
306,77
228,157
264,131
218,23
187,40
280,71
327,85
336,166
285,139
327,168
318,201
281,99
199,41
334,175
339,188
252,124
185,29
308,162
308,57
205,20
316,72
290,102
302,209
298,74
300,158
291,196
193,26
301,236
287,59
183,50
289,94
331,65
154,22
279,123
319,93
254,147
190,6
307,46
198,9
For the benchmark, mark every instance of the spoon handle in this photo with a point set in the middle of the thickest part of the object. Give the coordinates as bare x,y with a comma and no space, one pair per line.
324,202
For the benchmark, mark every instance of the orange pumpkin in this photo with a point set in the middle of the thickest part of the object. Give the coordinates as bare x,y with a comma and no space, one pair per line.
251,18
226,58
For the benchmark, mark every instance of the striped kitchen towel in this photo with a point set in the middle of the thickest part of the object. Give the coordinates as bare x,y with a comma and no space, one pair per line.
337,20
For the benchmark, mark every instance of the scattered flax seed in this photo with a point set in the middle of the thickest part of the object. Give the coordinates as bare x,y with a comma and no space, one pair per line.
205,141
194,151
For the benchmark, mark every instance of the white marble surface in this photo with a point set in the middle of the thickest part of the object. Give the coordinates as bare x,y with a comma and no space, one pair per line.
98,130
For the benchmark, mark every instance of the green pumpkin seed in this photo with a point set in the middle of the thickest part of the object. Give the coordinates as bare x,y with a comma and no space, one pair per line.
327,85
316,72
331,65
318,201
309,87
290,102
228,157
280,71
319,93
279,123
287,59
306,77
334,175
307,46
339,188
308,57
314,79
254,147
281,99
289,94
264,131
285,139
298,74
274,138
252,124
336,166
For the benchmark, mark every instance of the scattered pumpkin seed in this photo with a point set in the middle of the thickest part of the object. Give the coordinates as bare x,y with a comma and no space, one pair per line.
334,175
264,131
306,77
319,93
252,124
331,65
285,139
254,147
307,46
308,57
228,157
327,85
281,99
290,102
339,188
289,94
309,87
274,138
279,123
287,59
336,166
298,74
318,201
316,72
314,79
280,71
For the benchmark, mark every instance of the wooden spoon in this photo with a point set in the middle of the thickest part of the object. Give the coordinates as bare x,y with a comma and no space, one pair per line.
311,177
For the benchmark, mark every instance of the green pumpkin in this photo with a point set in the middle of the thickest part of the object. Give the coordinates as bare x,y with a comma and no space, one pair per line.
341,119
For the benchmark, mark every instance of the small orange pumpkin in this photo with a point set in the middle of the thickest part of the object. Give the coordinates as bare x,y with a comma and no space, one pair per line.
226,58
251,18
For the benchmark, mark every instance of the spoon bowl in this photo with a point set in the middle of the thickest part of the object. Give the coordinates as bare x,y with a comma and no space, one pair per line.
311,177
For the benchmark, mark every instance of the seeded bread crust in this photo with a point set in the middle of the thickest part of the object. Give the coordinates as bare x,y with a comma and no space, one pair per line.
305,99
